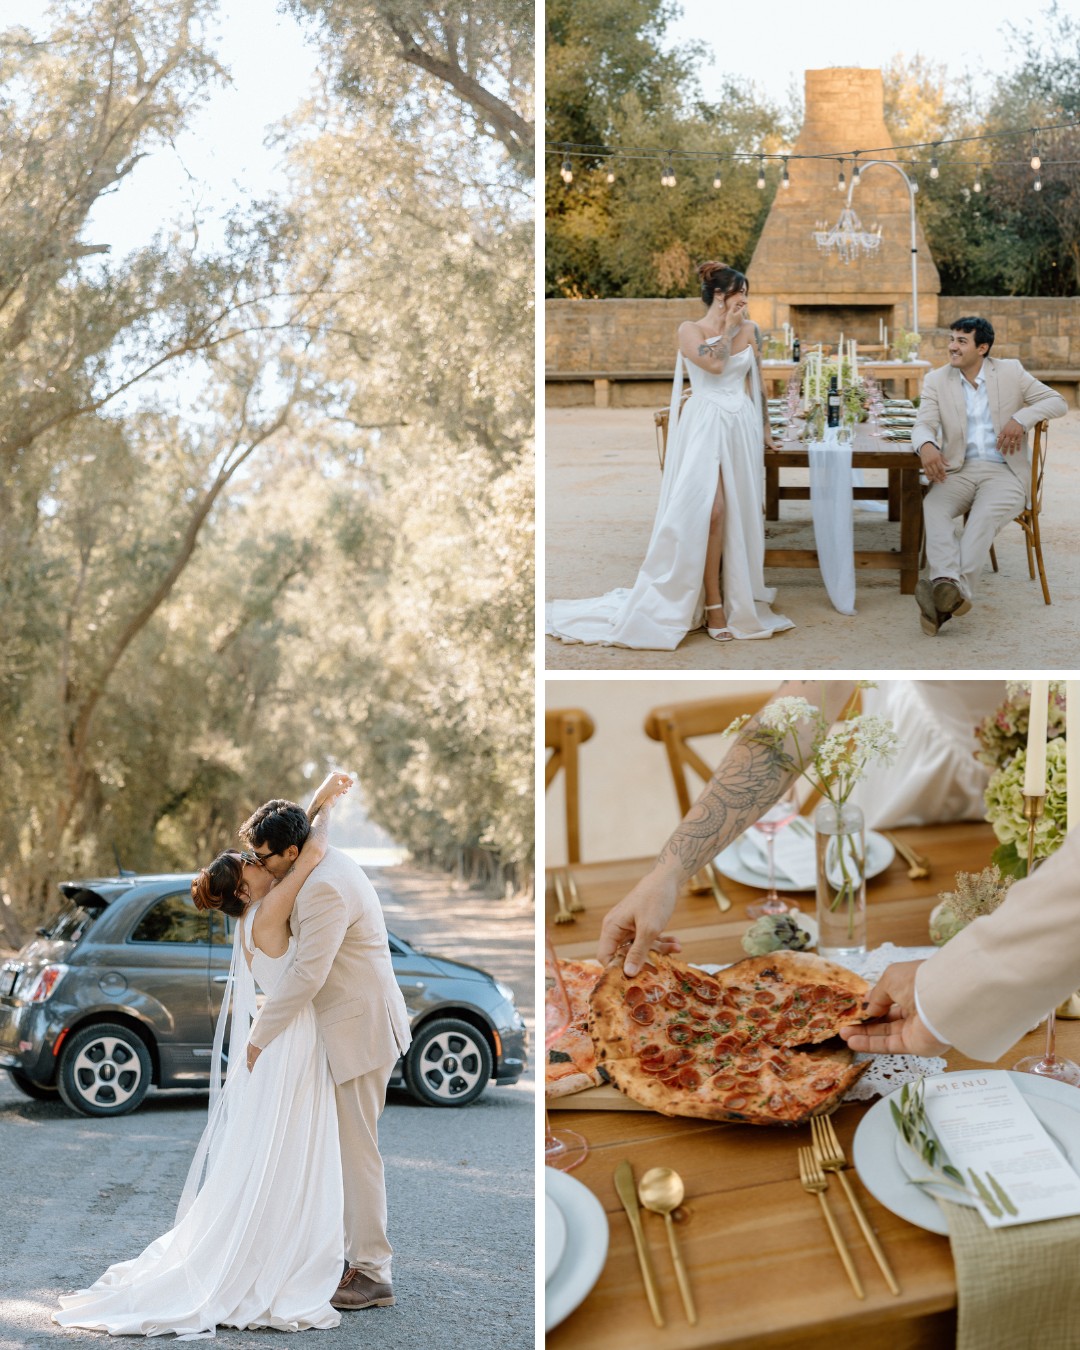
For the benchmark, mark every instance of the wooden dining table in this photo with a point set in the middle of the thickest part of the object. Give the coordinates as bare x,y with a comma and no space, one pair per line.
762,1266
902,493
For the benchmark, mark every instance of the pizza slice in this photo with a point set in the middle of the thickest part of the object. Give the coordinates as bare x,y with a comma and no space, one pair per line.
571,1059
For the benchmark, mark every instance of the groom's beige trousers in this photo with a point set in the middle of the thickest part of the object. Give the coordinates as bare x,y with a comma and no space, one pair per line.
359,1103
993,494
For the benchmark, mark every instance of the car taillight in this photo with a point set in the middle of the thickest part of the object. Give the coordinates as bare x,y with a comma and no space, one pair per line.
46,980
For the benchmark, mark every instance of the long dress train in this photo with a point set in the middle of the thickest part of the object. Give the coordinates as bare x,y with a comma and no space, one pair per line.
719,432
259,1236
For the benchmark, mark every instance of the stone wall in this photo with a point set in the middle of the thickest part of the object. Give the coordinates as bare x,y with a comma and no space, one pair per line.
618,339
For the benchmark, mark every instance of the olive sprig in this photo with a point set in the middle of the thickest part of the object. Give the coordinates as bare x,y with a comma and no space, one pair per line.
910,1119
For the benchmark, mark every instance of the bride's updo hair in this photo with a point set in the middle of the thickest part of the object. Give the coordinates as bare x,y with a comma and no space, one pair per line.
719,279
216,886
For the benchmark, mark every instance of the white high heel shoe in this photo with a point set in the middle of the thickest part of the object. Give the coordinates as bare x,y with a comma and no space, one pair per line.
717,634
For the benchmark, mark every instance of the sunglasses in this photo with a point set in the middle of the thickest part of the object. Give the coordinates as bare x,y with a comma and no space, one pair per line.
258,859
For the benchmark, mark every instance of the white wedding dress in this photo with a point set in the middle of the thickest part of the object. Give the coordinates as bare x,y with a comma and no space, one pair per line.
259,1235
719,431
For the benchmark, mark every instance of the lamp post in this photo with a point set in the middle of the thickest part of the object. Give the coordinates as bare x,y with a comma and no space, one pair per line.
912,189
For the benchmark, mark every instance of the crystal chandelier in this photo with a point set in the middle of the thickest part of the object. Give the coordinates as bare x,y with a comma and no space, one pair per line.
847,237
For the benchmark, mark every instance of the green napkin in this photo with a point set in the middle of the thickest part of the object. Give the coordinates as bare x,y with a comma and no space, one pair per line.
1018,1288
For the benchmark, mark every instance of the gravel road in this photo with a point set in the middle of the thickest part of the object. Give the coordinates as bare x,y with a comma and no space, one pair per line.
79,1194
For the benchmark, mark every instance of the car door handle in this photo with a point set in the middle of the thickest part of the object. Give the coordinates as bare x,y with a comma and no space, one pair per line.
221,979
418,985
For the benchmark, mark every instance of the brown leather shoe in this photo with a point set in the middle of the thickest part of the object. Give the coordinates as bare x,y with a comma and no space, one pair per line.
949,598
358,1290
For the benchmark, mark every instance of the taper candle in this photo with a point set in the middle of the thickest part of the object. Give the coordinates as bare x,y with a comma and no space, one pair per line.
1035,764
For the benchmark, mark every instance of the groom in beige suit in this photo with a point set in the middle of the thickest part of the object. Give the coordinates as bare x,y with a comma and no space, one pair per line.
991,983
971,437
343,969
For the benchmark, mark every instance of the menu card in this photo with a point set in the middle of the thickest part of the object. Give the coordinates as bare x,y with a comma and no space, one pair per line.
986,1127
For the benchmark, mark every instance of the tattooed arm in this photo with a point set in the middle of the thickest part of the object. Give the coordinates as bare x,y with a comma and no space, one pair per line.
752,775
759,351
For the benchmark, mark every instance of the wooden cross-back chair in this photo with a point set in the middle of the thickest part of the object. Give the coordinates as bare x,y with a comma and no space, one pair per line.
675,724
564,730
1028,519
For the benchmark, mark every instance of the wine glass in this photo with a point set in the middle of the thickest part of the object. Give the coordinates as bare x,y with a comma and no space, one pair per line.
792,409
775,819
567,1148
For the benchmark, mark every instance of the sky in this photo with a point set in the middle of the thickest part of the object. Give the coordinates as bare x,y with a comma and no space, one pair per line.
771,45
223,154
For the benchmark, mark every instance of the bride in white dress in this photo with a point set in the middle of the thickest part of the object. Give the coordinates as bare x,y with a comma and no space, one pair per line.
711,499
258,1234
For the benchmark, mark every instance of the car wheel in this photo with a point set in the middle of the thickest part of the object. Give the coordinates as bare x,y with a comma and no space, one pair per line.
448,1064
40,1092
104,1070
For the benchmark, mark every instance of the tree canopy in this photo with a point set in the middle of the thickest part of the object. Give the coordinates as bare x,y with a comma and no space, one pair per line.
268,505
625,85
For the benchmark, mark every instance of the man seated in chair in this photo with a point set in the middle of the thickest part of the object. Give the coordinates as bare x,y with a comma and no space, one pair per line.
971,437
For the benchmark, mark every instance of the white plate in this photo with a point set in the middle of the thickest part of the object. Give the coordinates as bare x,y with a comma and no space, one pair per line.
554,1237
885,1174
879,854
586,1246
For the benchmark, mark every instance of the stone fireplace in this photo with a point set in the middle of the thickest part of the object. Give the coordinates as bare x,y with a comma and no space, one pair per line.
820,296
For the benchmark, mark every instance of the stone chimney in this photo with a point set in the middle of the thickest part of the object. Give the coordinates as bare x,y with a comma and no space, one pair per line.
790,280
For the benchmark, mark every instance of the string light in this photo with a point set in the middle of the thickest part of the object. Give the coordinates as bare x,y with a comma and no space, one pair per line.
717,179
855,173
611,173
566,173
1036,162
761,172
976,186
785,181
934,164
667,178
1037,185
841,182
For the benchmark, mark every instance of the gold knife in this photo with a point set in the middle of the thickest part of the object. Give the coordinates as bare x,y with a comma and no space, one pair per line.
624,1184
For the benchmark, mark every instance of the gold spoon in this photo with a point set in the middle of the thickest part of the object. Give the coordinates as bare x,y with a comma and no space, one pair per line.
662,1190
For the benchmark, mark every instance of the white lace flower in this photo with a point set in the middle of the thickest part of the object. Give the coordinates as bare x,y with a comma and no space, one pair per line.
784,714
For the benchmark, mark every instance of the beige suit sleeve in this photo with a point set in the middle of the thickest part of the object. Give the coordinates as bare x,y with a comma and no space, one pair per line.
997,978
321,924
928,419
1039,401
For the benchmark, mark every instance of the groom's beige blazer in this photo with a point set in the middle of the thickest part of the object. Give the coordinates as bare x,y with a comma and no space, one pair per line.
1003,973
1011,392
343,968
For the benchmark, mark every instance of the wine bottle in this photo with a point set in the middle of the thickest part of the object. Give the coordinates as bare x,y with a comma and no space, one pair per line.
796,349
834,403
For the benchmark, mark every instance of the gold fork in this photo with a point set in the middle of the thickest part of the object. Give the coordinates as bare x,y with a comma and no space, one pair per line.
813,1180
918,867
563,915
831,1156
575,906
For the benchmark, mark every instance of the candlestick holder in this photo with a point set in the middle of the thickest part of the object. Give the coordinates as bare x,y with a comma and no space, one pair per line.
1047,1065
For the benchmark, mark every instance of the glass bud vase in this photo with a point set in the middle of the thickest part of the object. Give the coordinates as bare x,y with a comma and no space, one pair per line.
840,843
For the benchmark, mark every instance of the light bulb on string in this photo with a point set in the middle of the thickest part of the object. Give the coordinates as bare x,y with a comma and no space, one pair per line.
1037,185
785,181
1036,161
668,178
567,171
611,172
717,179
934,164
841,182
855,174
761,172
977,185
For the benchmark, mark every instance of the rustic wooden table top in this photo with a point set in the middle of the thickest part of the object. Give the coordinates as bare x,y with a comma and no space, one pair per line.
762,1266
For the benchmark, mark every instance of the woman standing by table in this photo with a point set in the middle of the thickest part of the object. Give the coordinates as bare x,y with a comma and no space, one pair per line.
705,559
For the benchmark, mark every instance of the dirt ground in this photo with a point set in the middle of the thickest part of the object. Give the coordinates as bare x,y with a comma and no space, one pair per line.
602,479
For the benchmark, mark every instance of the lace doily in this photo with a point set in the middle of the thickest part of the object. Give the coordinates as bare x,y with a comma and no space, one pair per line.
886,1072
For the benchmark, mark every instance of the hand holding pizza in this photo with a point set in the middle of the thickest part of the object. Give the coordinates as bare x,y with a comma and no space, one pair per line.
893,1025
639,919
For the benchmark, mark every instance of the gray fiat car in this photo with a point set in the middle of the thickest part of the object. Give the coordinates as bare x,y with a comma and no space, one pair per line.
121,991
